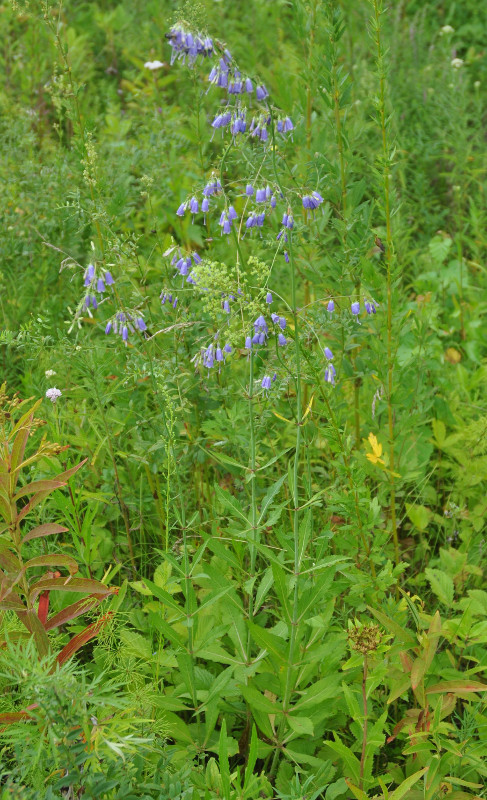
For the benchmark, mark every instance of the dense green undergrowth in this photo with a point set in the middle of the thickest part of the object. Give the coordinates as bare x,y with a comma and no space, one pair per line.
242,547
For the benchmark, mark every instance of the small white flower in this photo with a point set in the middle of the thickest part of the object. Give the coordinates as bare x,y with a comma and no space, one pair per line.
53,394
447,29
153,64
50,372
457,63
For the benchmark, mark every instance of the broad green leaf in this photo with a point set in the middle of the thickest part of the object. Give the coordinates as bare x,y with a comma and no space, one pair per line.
301,725
441,584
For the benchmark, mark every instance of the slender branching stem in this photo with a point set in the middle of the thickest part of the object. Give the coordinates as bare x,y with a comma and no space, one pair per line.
389,257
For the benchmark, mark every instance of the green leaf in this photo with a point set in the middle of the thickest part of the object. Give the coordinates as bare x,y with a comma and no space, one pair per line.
350,760
301,725
405,786
274,645
441,584
420,516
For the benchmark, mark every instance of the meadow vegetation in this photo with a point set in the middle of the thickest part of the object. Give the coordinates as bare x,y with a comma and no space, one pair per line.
243,417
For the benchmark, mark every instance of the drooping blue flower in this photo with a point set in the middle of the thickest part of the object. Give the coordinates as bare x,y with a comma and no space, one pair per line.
282,323
275,318
141,324
228,348
182,209
249,86
108,278
282,340
370,307
196,258
193,205
286,256
266,382
260,196
100,285
330,307
226,306
89,274
330,373
109,326
248,343
261,92
232,214
249,190
355,308
328,353
125,333
219,354
205,205
268,298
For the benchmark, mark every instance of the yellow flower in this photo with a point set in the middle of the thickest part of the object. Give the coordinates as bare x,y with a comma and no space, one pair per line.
375,456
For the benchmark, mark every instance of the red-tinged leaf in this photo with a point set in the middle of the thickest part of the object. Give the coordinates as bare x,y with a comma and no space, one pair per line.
24,418
34,625
5,509
54,560
47,486
12,603
48,529
81,638
18,450
74,610
417,672
85,585
33,502
64,476
457,686
406,661
43,607
13,716
7,583
8,560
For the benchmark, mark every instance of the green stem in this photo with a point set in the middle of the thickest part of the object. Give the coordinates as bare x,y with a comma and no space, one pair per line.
377,4
255,533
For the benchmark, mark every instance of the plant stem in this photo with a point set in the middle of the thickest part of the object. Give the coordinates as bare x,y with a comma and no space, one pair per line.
255,534
364,735
389,255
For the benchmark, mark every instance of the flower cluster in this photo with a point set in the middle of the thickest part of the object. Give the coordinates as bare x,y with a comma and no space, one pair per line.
95,281
125,323
214,355
312,201
53,394
188,45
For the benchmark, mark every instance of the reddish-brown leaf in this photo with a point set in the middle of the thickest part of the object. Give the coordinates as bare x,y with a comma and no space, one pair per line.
39,486
53,560
457,686
85,585
47,529
81,638
74,610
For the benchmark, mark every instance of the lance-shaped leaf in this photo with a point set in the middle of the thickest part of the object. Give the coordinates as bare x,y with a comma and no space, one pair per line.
8,560
85,585
65,476
457,686
47,486
23,421
74,610
48,529
33,624
18,448
81,638
53,560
